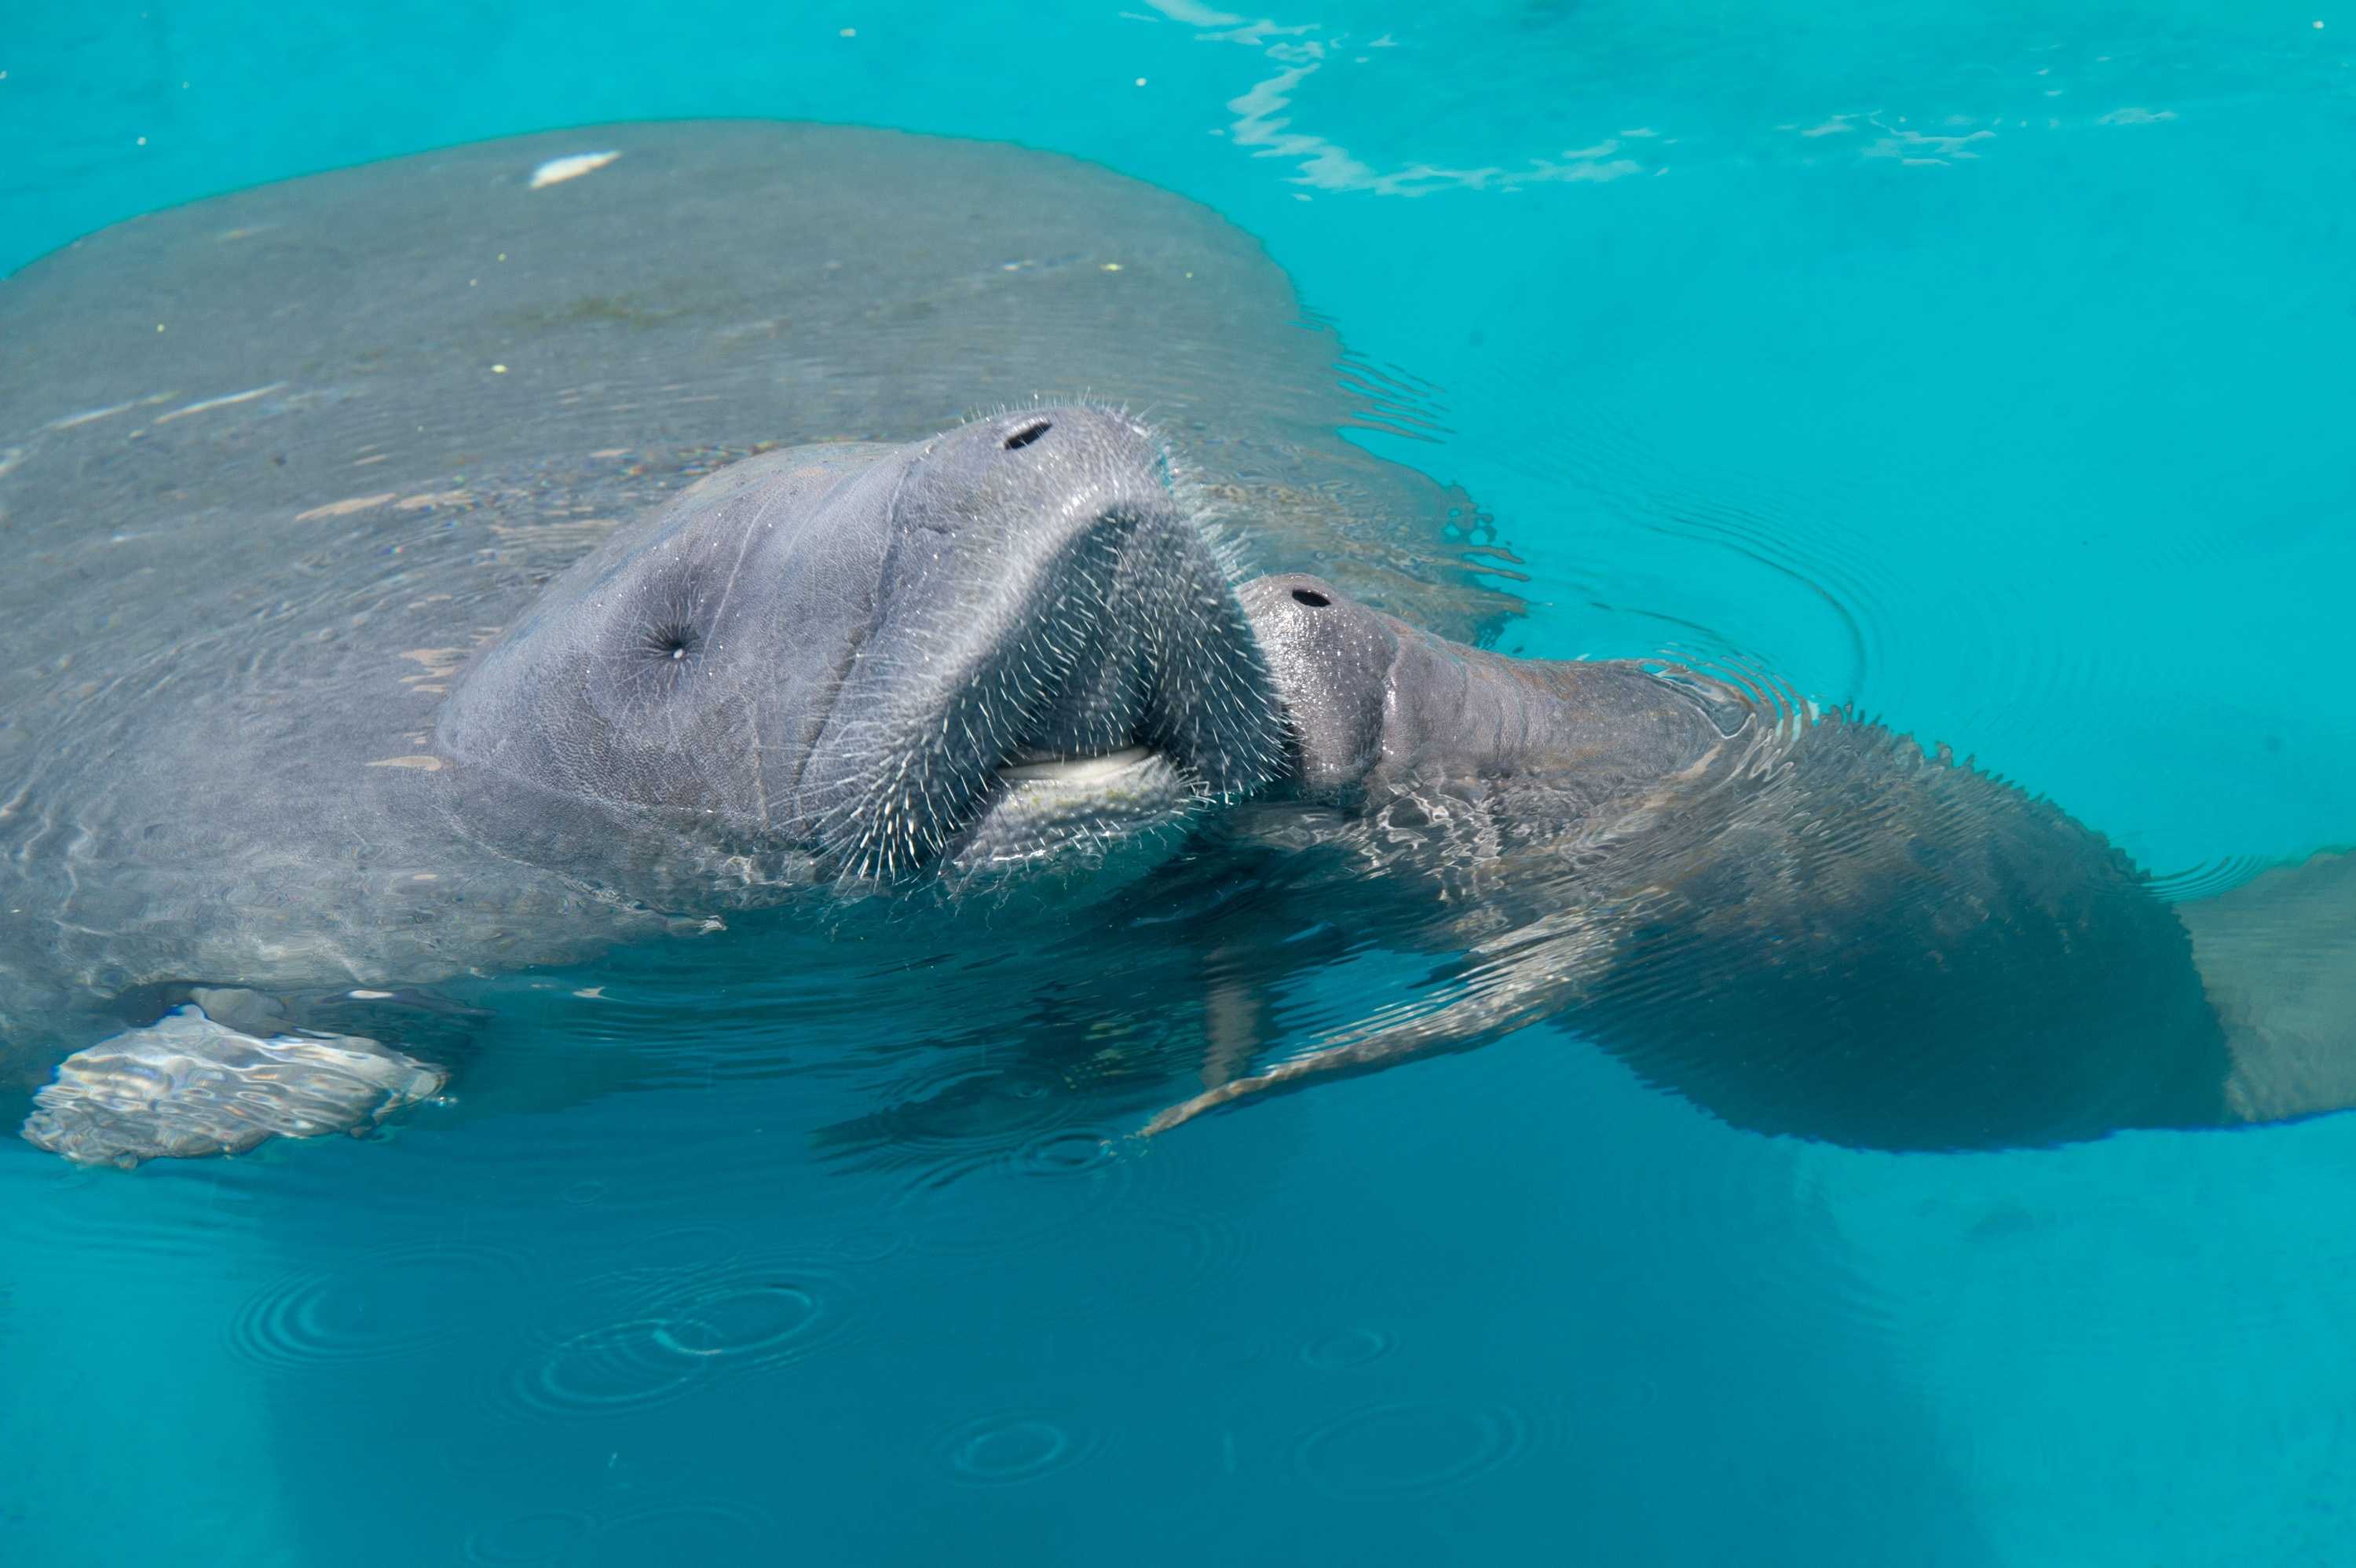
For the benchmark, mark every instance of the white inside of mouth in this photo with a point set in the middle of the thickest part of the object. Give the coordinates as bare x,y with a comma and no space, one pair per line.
1098,769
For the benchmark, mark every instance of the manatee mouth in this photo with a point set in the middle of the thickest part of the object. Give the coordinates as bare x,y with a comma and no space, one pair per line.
1048,808
1035,765
1055,799
1052,703
1057,660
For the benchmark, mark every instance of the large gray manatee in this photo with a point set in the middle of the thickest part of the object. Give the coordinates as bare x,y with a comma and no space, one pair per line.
275,468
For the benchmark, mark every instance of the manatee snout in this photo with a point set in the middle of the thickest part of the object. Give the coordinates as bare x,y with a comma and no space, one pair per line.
1058,662
1330,661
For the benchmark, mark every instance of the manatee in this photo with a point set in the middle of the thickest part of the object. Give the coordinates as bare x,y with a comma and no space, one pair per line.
1800,920
388,618
278,469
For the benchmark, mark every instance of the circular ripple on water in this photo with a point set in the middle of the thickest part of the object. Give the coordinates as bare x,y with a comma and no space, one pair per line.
682,1532
953,1118
749,1320
392,1303
673,1332
604,1372
1200,1245
763,1314
1029,1194
1409,1450
1066,1152
1010,1450
543,1535
1343,1348
2205,881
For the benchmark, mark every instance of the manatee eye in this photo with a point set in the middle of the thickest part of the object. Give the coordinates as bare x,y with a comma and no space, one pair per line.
1027,435
1310,597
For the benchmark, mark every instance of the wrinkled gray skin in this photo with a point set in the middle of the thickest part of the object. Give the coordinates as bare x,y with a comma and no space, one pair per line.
258,767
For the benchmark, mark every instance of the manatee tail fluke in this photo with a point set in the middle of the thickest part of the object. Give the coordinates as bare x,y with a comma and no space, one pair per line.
2277,955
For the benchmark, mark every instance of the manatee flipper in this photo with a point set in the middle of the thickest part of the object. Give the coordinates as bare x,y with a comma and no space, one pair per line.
1539,972
2278,956
186,1085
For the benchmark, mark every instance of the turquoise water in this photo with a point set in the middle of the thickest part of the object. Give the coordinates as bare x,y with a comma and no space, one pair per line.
1985,368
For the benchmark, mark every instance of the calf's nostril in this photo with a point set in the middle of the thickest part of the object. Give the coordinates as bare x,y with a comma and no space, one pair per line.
1310,597
1028,433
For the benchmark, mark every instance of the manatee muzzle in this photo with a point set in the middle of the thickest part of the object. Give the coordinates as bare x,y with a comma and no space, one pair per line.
1058,665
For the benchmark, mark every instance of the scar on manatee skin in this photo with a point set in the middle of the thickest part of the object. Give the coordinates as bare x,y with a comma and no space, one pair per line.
580,529
347,507
440,663
207,405
423,764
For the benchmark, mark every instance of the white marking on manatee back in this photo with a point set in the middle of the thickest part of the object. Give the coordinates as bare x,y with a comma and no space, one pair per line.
89,416
347,507
556,171
221,402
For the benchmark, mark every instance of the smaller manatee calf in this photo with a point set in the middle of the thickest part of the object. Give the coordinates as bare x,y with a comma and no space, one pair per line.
1800,921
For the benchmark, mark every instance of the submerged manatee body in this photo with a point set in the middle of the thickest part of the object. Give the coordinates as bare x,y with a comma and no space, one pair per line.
338,671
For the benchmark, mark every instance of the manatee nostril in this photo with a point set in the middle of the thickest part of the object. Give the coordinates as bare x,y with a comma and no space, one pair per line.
1028,433
1310,597
672,642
